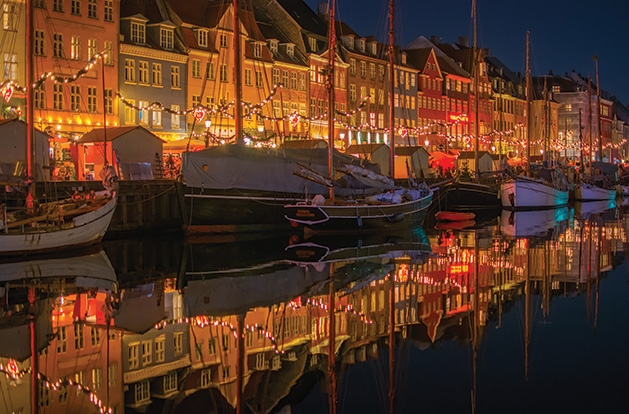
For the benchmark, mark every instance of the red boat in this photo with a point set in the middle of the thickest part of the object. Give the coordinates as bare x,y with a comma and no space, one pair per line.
454,216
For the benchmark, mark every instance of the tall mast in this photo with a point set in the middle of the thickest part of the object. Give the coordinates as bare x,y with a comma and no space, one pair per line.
30,118
330,86
237,77
590,159
598,113
391,92
392,342
528,103
475,69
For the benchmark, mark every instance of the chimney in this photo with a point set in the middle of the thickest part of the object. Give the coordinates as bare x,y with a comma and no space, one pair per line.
463,41
434,39
324,11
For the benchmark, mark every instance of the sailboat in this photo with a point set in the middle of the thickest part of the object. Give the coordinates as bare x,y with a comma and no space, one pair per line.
597,188
394,207
60,225
543,188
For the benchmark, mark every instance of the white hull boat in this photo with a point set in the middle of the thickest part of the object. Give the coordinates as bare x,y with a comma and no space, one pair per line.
589,192
528,194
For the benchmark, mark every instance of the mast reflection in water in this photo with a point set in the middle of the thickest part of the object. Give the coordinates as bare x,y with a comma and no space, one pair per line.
514,314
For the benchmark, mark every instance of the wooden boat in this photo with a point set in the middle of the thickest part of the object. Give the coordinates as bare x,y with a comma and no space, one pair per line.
591,192
454,216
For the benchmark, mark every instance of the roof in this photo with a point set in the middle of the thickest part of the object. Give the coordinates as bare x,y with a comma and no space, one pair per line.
470,154
446,63
147,8
96,134
201,13
409,150
305,17
364,148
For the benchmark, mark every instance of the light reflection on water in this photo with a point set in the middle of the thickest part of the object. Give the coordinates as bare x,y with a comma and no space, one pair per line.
522,313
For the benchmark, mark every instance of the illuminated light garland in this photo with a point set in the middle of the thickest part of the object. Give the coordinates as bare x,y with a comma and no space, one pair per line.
8,87
319,303
11,371
203,321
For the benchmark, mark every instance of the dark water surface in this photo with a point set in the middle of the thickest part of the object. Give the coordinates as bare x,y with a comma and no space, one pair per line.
516,313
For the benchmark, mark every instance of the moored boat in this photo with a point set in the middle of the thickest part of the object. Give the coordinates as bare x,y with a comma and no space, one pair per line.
454,216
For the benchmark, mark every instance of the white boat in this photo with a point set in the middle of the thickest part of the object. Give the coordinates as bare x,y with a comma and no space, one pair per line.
523,193
51,232
531,223
590,192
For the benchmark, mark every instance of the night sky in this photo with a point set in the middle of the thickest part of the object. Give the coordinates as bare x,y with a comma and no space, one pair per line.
565,34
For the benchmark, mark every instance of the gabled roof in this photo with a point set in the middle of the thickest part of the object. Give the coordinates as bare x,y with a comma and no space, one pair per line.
446,63
97,135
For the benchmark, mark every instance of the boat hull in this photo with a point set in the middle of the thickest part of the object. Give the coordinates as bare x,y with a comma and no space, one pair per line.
87,229
462,195
359,217
523,194
588,192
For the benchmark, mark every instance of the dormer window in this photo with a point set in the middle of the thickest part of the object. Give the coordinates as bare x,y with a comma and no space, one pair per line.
273,45
374,48
312,42
362,45
138,32
290,50
202,37
350,42
257,50
166,38
404,58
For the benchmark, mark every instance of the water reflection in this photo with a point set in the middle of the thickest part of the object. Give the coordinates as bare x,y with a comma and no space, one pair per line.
386,323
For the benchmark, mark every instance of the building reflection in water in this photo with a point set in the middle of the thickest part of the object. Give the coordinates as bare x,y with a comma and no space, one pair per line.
252,326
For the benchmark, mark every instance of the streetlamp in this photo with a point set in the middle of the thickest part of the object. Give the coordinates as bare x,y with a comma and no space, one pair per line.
208,123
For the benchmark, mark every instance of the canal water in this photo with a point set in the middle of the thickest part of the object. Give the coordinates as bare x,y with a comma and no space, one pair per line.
524,312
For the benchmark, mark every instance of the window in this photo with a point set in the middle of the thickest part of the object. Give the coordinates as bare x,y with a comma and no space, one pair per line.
276,76
39,96
62,340
96,378
206,378
134,355
222,40
273,46
39,47
175,123
144,118
91,9
10,66
293,80
372,71
75,48
175,77
352,66
113,374
257,50
223,73
290,50
108,12
57,45
363,69
166,38
138,32
202,38
9,17
302,81
352,93
142,391
109,101
170,381
91,48
57,97
78,332
79,378
248,80
57,5
160,349
129,118
109,52
312,42
258,79
157,74
157,118
178,342
285,79
63,394
196,68
91,107
75,7
143,72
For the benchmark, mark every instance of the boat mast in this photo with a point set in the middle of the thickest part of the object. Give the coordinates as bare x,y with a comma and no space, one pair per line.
237,77
528,103
391,92
330,86
598,114
590,124
392,342
475,69
30,117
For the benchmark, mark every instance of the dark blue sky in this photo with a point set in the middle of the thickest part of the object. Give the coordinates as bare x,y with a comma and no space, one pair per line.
565,34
